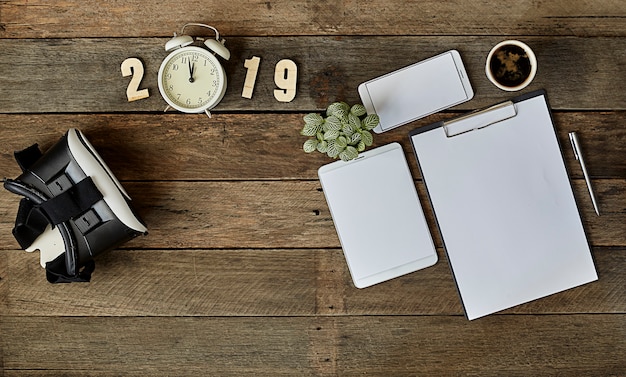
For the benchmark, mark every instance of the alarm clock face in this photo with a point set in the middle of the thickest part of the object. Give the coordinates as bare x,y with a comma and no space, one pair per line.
192,80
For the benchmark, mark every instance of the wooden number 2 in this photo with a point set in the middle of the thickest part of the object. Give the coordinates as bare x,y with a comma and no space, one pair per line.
285,78
133,66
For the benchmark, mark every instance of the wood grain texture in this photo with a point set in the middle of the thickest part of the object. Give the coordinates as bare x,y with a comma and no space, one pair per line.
83,75
69,19
242,272
148,147
589,345
295,282
285,214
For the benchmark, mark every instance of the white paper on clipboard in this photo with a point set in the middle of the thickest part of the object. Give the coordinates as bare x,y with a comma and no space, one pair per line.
377,215
504,206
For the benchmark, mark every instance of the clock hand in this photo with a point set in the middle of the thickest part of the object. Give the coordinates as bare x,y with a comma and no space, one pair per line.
190,71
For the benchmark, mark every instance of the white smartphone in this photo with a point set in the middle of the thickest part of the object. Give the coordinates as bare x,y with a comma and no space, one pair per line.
416,91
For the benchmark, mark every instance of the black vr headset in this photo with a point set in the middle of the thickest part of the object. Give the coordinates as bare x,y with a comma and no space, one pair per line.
73,208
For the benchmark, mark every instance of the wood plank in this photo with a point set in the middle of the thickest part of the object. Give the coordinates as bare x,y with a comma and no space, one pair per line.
83,75
423,291
171,283
297,282
289,214
589,345
258,146
4,286
69,19
145,346
499,346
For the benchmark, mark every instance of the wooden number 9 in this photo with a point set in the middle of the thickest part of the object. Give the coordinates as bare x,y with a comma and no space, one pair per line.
285,78
133,66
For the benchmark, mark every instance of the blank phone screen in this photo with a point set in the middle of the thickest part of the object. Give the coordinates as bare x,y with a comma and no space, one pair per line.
416,91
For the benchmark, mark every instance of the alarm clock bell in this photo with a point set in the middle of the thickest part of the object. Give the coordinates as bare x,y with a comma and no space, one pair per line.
191,79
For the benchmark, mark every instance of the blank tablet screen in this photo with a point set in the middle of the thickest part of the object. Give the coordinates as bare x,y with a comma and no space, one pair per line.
378,216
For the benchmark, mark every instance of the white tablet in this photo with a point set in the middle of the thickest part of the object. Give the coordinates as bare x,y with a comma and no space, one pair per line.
416,91
378,215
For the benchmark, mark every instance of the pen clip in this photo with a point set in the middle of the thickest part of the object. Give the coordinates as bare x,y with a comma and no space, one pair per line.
574,141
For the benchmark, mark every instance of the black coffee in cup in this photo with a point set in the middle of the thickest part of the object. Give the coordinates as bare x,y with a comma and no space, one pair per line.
510,65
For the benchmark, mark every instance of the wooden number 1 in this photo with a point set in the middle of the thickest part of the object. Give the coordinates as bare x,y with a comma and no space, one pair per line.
133,66
253,68
285,78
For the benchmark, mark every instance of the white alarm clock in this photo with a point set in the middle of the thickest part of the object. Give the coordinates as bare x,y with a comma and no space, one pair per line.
191,78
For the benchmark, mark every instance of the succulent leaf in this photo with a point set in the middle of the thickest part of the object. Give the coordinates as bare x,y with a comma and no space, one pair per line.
311,129
355,138
367,138
331,135
352,152
333,123
341,142
347,128
310,145
336,109
341,114
358,110
314,119
355,122
348,154
331,108
322,146
371,121
333,149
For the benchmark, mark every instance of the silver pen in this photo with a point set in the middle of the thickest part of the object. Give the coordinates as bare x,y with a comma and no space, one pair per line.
576,146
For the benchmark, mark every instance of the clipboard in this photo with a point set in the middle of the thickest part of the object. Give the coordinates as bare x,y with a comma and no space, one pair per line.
504,205
378,215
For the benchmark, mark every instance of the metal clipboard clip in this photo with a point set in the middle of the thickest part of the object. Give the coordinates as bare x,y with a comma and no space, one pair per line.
480,119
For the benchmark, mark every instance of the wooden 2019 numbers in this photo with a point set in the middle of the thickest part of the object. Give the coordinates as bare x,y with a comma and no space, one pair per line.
285,78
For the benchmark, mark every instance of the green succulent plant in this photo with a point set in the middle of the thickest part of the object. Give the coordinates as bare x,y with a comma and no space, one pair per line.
342,134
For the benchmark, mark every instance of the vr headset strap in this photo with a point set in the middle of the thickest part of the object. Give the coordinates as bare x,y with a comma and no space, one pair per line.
36,211
56,271
72,202
30,222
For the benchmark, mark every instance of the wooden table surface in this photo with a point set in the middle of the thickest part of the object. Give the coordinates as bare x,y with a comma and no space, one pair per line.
242,272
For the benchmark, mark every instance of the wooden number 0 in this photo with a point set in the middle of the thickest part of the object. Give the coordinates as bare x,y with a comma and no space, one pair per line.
285,78
133,66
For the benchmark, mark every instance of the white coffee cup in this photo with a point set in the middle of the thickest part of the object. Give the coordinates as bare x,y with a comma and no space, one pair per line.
511,65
